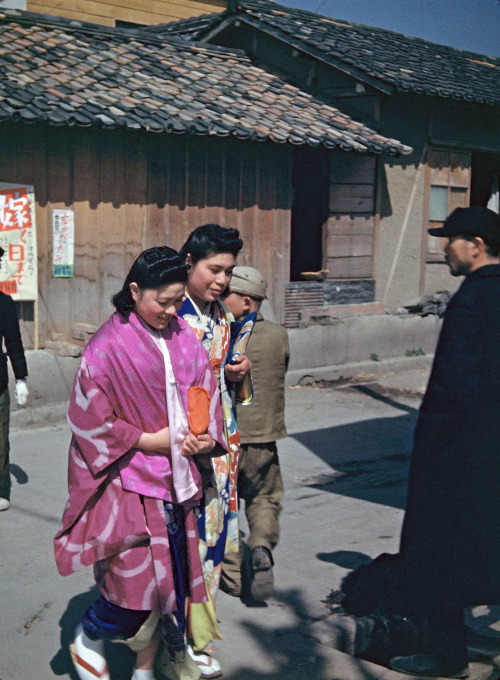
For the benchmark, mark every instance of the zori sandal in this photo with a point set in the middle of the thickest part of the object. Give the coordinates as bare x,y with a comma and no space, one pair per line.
84,669
207,665
88,660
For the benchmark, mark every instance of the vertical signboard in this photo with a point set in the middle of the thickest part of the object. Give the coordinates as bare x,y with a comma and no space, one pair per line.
18,266
63,235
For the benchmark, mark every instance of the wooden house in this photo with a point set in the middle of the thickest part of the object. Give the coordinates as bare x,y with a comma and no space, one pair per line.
144,137
372,212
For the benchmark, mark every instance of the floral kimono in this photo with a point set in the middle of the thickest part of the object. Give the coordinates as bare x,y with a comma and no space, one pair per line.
218,524
129,378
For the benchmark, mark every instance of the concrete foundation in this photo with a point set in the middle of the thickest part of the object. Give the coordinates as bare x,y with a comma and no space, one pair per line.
361,344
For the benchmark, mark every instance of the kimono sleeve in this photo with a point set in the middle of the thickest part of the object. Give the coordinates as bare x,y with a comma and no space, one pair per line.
101,436
242,392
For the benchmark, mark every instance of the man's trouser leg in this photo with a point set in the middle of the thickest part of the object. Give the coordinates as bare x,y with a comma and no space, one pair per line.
4,445
231,576
446,639
261,486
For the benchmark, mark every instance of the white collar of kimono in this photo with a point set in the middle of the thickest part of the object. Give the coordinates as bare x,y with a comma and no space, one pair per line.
184,485
206,309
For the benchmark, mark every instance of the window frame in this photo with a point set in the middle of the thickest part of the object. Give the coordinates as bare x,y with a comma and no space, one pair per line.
455,175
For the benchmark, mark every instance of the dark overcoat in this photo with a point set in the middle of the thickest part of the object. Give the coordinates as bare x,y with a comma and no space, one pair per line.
450,542
10,335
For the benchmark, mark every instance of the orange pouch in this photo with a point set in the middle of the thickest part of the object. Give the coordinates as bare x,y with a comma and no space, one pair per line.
198,410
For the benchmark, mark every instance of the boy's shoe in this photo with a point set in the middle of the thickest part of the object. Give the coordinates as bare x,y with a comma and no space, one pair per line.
262,586
4,504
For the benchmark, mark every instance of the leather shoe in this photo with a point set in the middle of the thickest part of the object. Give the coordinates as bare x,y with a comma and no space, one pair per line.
262,585
424,666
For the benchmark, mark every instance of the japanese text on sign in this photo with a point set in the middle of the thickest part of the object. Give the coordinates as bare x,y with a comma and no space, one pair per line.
63,232
18,266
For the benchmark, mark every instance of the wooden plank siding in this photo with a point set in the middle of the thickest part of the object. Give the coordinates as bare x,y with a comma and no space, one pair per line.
347,242
132,191
141,12
349,230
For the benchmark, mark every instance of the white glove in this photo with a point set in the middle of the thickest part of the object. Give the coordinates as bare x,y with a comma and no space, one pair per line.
22,393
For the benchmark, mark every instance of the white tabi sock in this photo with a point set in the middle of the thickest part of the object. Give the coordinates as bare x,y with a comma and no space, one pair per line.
141,674
90,653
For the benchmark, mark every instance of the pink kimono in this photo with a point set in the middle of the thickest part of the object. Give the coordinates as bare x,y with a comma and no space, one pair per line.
114,517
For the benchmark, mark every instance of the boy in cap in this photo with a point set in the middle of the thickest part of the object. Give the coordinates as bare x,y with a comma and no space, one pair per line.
449,555
11,335
260,424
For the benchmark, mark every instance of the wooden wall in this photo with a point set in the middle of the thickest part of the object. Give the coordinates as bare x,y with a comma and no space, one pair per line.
130,191
348,242
349,231
142,12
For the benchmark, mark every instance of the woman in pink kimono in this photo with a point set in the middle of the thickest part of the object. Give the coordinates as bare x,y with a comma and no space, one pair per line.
135,468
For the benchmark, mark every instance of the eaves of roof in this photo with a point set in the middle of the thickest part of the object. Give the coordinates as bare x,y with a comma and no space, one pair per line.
70,73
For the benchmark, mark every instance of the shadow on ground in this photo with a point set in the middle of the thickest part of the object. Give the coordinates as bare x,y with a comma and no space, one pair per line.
369,459
119,657
18,473
292,652
295,652
348,559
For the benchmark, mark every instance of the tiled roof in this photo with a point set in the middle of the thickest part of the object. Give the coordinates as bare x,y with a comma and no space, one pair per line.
400,61
65,72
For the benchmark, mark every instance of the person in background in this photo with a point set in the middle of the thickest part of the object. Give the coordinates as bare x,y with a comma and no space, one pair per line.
210,252
260,423
135,470
10,334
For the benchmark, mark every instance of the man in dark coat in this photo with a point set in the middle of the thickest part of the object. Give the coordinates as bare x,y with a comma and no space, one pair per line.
450,543
11,336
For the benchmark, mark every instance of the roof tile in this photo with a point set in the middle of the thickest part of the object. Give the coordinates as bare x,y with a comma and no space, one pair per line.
169,85
439,70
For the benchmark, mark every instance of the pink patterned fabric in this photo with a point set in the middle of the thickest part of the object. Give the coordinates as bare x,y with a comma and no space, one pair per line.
114,517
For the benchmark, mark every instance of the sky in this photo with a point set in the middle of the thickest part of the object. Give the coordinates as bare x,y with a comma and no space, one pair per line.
467,24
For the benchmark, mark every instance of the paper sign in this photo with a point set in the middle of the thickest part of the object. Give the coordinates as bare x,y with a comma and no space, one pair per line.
18,266
63,232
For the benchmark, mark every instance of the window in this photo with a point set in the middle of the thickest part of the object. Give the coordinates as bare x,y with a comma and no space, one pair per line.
448,184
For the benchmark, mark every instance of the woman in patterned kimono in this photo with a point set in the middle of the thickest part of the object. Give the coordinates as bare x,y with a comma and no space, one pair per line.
211,252
135,469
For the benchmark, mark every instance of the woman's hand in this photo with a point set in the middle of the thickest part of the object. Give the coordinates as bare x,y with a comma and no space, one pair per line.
237,371
194,445
155,441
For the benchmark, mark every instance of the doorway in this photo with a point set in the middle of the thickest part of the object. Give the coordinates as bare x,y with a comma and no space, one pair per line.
311,185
